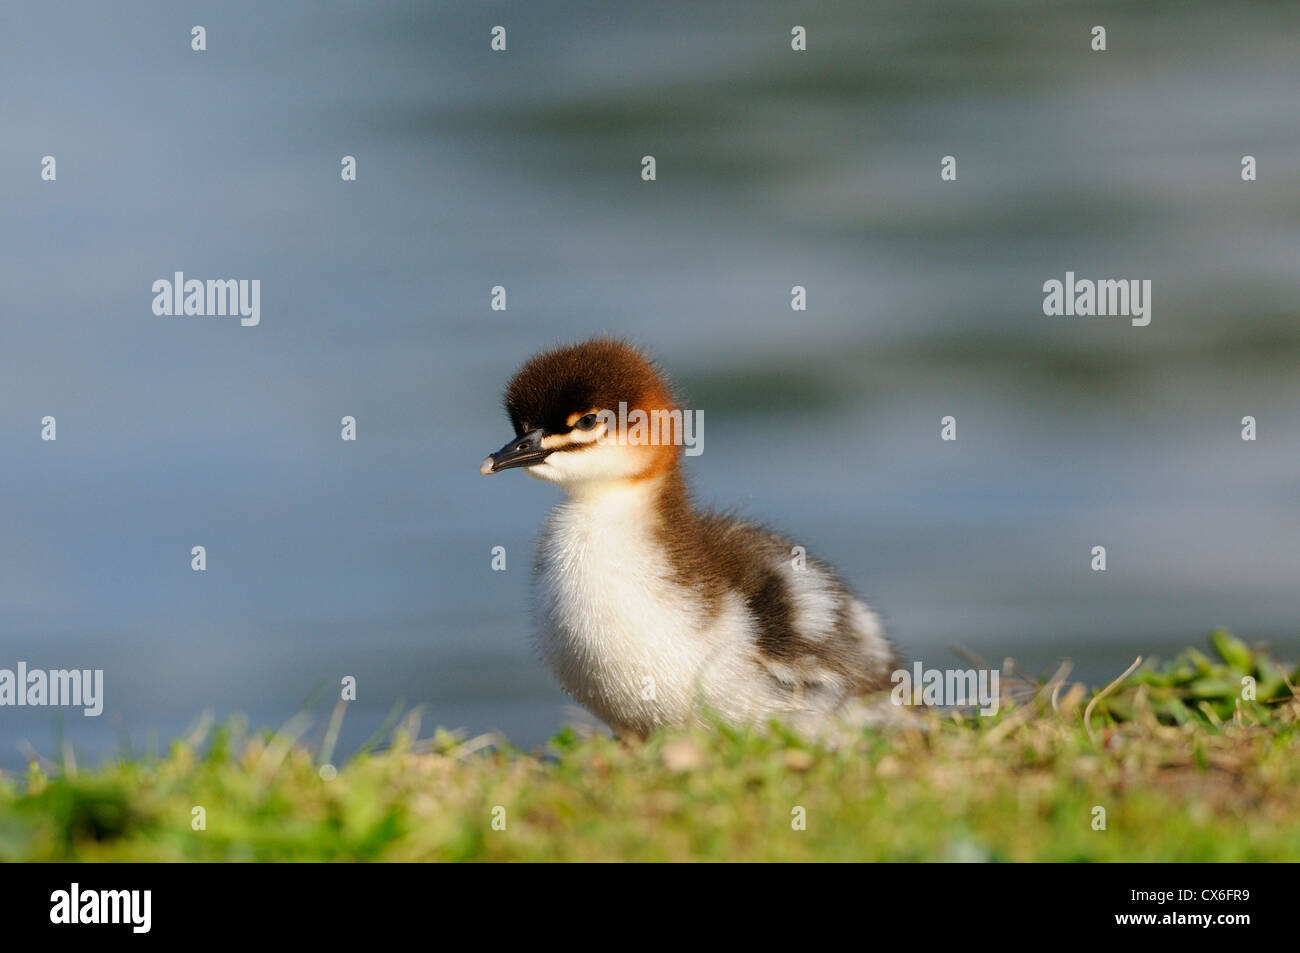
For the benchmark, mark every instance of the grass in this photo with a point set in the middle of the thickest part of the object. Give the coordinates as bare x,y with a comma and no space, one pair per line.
1183,766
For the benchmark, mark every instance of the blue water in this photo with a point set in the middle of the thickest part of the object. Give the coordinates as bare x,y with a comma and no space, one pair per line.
475,169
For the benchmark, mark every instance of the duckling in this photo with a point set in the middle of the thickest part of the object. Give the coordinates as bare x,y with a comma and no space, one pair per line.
652,612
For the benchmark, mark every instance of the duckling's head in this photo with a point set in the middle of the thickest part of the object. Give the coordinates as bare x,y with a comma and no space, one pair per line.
566,405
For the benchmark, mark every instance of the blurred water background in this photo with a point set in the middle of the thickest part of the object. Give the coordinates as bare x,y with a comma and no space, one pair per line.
522,169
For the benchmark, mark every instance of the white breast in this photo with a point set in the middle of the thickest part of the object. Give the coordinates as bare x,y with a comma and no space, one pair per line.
627,641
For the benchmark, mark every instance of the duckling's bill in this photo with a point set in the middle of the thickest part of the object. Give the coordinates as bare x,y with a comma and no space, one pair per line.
522,451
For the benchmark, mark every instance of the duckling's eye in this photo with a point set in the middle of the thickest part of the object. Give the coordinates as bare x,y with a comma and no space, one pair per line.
586,423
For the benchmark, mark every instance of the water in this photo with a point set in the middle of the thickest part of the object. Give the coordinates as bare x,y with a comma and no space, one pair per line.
371,559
